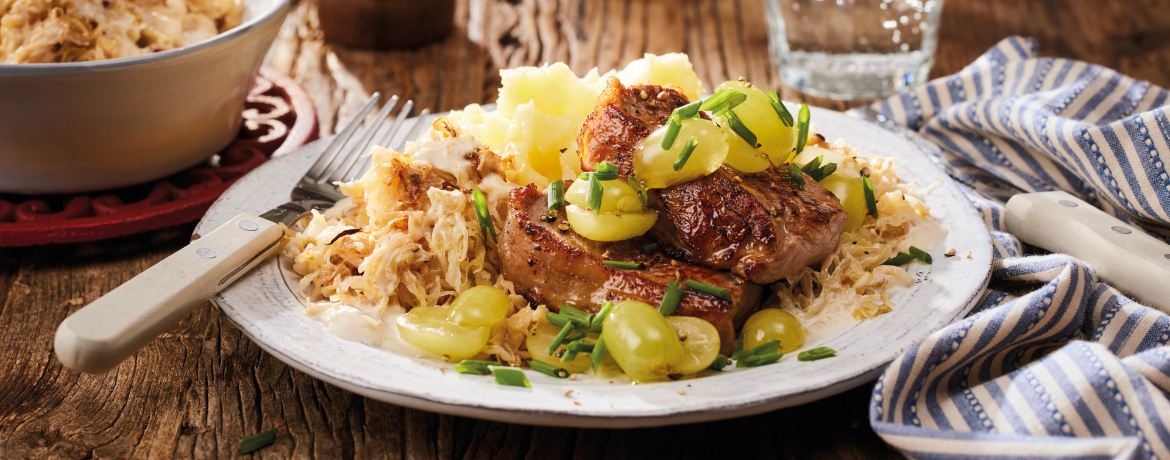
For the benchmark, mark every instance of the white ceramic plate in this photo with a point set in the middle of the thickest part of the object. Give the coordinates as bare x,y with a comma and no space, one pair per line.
264,307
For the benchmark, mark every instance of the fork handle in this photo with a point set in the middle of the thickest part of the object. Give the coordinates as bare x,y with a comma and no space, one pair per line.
106,332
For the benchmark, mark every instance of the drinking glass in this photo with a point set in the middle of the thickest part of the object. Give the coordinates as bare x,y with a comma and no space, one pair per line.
853,49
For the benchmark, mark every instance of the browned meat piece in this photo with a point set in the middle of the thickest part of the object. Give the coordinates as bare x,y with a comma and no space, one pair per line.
760,226
621,119
554,267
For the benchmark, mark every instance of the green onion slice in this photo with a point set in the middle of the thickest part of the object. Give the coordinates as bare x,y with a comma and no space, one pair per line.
481,213
720,362
921,255
560,338
599,318
781,110
556,195
705,288
760,359
816,353
649,248
510,376
686,153
548,369
673,126
802,128
870,201
825,171
636,184
813,166
577,315
580,346
899,260
623,265
671,298
687,111
723,101
595,193
598,353
606,167
473,367
257,441
796,176
742,131
574,337
771,345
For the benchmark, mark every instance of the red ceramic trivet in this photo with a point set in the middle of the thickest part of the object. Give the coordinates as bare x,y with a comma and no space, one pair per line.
278,118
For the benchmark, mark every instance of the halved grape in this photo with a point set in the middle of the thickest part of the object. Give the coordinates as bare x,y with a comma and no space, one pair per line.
607,226
480,306
742,156
775,140
617,196
656,166
539,339
773,324
428,328
700,342
642,342
851,192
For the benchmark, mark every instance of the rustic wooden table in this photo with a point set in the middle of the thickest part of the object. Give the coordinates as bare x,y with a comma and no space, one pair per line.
202,386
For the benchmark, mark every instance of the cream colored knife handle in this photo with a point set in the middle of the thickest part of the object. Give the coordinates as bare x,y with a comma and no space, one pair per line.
109,330
1125,256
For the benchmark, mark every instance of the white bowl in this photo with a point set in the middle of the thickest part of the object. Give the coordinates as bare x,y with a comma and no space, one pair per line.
86,126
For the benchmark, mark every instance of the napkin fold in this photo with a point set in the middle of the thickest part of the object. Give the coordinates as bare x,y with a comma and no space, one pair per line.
1053,363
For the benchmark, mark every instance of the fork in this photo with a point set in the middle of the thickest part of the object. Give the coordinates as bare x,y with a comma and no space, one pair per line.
106,332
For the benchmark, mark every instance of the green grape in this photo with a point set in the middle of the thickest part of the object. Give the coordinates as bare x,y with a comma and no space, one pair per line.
607,226
539,339
773,324
655,167
617,197
480,306
428,328
850,191
700,345
642,342
776,140
742,156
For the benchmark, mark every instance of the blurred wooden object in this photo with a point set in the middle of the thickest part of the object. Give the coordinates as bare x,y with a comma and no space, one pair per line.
202,386
386,24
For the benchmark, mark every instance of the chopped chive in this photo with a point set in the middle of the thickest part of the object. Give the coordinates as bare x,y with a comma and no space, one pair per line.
740,129
921,255
816,353
705,288
573,349
636,184
673,126
557,319
802,129
899,260
599,318
606,167
254,442
595,193
813,166
870,201
781,110
510,376
687,111
670,298
548,369
685,153
723,101
623,265
580,346
825,171
720,362
577,315
473,367
556,195
796,176
760,359
769,346
738,348
598,353
560,338
574,337
481,213
608,175
649,248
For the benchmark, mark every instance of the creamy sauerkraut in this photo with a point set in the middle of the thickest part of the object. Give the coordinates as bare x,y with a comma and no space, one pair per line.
48,31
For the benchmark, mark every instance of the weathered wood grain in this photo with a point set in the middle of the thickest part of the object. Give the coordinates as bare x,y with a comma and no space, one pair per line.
202,386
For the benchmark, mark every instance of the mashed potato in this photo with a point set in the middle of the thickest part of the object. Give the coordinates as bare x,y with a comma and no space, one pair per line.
47,31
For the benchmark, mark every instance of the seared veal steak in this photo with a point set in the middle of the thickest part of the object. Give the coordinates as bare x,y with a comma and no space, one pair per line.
554,267
759,226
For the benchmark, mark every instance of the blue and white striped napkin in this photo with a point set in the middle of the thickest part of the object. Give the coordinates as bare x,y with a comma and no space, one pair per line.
1053,363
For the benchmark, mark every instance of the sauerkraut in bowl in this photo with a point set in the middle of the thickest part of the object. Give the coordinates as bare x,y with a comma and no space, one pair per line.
413,262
